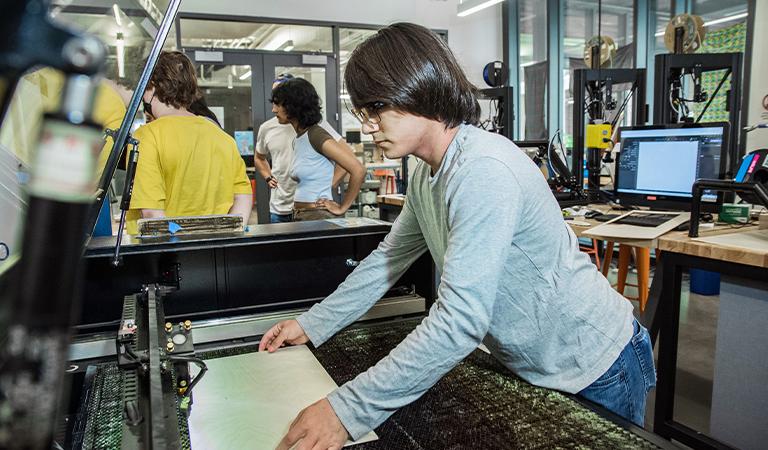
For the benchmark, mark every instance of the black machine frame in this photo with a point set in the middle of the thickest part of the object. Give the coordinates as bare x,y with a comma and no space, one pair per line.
504,122
669,70
582,80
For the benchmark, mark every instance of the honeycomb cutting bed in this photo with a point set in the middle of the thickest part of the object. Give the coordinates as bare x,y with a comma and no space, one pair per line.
477,405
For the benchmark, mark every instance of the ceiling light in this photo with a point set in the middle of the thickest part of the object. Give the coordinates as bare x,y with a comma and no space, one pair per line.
467,7
713,22
120,46
116,10
245,76
725,19
229,81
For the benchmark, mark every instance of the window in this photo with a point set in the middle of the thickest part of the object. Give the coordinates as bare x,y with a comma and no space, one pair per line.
128,35
349,39
255,36
532,32
725,25
584,20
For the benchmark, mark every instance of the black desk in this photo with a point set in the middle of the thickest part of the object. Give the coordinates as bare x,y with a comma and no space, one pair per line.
269,267
662,316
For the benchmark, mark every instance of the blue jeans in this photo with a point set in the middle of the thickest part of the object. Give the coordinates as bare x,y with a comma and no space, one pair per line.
623,388
280,218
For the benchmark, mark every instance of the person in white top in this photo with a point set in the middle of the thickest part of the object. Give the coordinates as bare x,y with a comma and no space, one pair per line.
276,141
317,154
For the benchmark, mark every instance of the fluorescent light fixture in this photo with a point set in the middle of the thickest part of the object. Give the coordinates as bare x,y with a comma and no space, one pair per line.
229,81
713,22
245,76
726,19
288,48
116,10
467,7
120,46
278,42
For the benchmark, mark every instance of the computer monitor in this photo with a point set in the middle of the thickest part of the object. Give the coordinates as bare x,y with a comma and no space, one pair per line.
353,137
244,140
658,164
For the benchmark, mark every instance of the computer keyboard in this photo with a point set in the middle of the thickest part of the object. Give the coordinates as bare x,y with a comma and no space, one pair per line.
605,217
649,220
646,220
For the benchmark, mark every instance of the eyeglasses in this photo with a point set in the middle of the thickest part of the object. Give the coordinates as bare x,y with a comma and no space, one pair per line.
368,113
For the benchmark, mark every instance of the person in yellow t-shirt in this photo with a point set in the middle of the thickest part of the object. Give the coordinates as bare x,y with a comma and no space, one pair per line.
109,111
187,165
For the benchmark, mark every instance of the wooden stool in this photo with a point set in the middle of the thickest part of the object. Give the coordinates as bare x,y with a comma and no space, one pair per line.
389,180
643,264
592,251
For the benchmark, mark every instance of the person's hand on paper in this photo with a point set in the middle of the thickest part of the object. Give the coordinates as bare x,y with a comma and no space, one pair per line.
316,427
285,332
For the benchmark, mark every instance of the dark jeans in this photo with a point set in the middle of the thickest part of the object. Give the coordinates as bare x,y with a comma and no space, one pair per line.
280,218
623,388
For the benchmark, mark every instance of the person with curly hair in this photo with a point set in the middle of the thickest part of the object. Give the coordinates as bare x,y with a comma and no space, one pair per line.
316,153
188,166
274,141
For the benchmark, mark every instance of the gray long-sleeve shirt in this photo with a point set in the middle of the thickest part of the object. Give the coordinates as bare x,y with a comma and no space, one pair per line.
512,277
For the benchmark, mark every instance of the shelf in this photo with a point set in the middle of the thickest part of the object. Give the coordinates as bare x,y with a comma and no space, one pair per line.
389,165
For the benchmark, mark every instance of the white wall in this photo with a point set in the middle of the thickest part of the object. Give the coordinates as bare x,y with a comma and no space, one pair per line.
475,39
758,89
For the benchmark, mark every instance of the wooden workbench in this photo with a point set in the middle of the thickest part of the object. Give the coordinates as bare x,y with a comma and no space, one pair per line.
679,242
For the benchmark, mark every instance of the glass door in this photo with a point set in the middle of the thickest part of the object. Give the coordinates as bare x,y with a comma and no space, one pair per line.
320,70
237,85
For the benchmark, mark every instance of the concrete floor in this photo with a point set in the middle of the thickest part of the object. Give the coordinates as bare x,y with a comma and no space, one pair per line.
696,356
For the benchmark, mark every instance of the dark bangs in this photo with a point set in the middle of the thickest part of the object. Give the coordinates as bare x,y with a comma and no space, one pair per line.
412,69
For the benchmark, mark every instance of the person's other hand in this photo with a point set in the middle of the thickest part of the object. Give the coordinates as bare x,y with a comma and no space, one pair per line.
316,427
272,183
333,207
285,332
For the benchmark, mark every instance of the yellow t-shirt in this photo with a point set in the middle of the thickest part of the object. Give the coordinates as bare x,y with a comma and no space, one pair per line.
108,111
188,166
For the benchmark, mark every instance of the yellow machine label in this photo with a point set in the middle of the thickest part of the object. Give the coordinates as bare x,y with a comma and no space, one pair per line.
599,136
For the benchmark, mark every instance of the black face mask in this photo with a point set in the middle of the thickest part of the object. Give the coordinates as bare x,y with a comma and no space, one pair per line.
148,106
148,109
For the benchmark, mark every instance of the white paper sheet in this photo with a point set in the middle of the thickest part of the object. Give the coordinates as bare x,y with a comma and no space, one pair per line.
755,240
249,401
621,231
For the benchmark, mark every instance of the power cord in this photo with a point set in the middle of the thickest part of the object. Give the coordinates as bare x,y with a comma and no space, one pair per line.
199,363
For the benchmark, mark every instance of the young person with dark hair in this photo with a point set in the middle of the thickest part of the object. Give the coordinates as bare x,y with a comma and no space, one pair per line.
188,165
316,153
513,277
275,140
200,108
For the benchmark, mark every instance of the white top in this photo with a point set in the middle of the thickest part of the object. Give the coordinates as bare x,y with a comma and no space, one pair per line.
311,169
277,140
